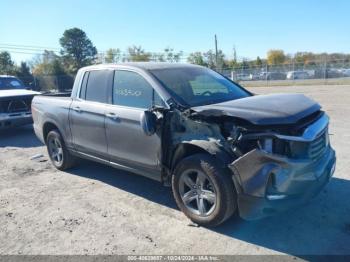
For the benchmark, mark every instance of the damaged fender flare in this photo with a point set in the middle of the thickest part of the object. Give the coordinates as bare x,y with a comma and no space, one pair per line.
187,148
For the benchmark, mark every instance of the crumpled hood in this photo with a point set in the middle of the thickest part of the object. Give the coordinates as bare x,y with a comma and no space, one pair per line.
17,92
264,109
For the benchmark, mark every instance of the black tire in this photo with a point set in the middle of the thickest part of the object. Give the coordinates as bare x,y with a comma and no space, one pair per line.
67,160
221,184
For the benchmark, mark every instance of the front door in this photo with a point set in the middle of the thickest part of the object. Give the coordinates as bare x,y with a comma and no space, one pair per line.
127,143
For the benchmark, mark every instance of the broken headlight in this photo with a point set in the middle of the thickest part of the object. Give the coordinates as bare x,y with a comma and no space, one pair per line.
275,146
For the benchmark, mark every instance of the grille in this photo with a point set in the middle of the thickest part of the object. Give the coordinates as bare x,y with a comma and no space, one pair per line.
17,105
313,149
318,146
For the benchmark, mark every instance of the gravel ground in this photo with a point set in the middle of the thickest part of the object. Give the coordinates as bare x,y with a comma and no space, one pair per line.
94,209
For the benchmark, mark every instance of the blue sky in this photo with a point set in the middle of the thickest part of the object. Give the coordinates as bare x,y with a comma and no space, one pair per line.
252,26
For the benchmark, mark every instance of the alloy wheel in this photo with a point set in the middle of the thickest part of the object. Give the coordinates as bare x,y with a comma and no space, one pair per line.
56,150
197,192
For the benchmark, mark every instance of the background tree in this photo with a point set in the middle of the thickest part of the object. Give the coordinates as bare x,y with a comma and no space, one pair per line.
7,66
77,49
138,54
258,61
42,64
23,73
50,72
211,59
169,56
207,59
113,55
245,64
196,58
275,57
304,57
64,81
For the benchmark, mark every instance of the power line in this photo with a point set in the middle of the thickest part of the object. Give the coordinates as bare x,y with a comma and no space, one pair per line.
25,49
43,48
30,46
21,52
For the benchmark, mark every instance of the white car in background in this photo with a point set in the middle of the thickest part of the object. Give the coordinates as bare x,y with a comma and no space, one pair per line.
294,75
15,102
244,77
346,72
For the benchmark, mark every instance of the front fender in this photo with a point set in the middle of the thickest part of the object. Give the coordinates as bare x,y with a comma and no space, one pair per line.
212,147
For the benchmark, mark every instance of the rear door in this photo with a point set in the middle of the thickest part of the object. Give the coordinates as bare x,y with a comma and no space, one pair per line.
87,114
127,143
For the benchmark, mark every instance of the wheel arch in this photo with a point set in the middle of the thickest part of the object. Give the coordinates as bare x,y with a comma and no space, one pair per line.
187,148
49,126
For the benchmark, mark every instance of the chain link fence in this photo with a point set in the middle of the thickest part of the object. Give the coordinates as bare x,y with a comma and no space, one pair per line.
49,83
336,72
312,73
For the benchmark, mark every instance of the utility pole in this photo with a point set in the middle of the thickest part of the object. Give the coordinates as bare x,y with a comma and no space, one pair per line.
216,52
234,54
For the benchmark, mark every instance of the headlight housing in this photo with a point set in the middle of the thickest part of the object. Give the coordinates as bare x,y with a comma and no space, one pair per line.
275,146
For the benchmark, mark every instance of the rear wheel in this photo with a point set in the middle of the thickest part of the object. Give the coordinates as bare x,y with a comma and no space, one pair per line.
203,190
58,153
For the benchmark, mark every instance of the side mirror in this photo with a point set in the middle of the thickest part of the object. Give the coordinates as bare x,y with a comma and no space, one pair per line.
148,122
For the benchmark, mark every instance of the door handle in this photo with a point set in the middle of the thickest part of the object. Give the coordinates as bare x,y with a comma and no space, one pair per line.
113,116
77,109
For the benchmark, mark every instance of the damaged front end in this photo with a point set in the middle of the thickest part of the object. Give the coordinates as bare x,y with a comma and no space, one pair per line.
284,170
274,167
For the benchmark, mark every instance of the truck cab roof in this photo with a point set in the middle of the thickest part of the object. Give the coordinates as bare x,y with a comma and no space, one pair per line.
141,65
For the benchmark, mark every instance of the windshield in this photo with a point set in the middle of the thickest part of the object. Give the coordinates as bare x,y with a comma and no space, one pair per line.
198,86
7,83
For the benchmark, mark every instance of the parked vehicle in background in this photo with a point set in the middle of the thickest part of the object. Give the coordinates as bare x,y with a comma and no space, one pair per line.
243,77
334,73
275,76
15,102
295,75
262,75
311,73
255,76
346,72
222,149
271,76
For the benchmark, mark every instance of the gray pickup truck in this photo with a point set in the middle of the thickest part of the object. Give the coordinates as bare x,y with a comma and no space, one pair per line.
221,148
15,103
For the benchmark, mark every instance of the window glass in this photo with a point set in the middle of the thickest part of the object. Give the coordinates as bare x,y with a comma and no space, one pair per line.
15,83
83,85
204,84
10,83
131,89
158,101
194,86
97,86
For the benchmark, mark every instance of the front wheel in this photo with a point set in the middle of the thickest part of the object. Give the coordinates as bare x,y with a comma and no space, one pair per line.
203,190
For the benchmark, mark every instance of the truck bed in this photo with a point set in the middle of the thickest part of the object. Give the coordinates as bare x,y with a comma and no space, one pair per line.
54,107
57,94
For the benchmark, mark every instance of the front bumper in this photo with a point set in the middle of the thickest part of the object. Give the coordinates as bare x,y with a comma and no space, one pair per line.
14,120
268,183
